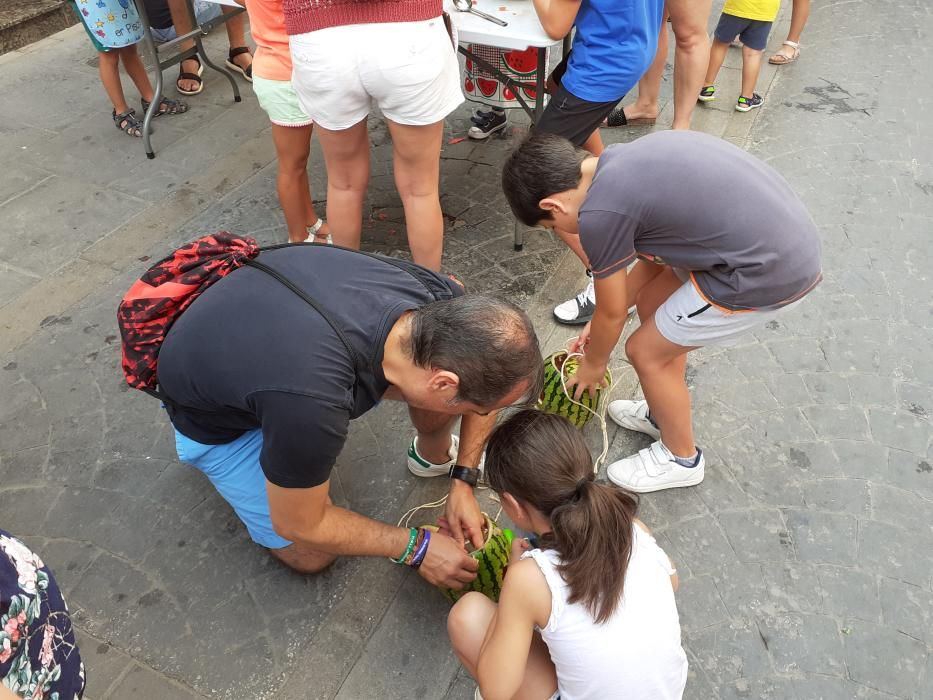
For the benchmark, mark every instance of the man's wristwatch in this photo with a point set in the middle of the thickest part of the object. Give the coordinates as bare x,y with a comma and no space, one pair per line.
468,474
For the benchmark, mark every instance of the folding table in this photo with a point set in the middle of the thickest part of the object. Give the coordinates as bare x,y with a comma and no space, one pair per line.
152,51
523,31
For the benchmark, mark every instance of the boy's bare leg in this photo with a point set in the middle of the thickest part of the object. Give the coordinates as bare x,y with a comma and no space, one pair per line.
661,365
467,625
717,54
751,67
108,65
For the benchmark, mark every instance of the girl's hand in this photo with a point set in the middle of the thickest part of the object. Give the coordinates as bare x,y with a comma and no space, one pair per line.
581,341
520,545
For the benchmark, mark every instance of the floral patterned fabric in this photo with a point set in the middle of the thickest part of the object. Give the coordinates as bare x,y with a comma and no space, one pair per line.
39,659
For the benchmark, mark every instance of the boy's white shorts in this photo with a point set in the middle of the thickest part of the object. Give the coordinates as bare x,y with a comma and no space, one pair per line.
408,69
687,319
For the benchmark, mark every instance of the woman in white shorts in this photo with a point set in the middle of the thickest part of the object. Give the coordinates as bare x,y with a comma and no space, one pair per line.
291,125
347,55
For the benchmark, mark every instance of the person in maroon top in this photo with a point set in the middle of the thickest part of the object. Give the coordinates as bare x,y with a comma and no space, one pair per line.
348,55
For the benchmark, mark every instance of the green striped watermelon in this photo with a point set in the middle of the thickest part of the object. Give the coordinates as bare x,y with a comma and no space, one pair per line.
555,400
492,558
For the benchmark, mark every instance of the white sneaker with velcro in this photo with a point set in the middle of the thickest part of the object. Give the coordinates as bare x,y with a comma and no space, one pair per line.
654,469
633,415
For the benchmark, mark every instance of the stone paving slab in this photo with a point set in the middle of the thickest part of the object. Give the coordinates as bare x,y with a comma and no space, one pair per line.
805,555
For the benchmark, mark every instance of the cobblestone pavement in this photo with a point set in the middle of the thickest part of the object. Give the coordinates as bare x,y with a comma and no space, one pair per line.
806,556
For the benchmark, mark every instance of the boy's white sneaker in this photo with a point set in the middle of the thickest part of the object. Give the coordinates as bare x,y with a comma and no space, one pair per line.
633,415
654,469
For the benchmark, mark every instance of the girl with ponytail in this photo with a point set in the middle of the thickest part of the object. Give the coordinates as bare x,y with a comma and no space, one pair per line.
588,614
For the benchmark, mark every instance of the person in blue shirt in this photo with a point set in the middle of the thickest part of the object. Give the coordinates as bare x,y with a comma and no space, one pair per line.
614,45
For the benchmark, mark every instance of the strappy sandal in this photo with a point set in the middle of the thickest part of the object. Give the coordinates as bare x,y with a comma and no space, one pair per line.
780,59
617,118
166,106
184,75
231,64
128,123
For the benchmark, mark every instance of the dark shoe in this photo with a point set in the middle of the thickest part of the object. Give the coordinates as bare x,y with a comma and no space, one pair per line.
232,65
746,104
166,106
495,121
196,77
707,94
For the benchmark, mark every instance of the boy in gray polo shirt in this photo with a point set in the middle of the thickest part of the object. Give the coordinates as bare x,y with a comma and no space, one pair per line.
722,244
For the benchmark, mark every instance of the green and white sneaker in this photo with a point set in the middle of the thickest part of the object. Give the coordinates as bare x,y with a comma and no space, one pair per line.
747,104
707,94
419,466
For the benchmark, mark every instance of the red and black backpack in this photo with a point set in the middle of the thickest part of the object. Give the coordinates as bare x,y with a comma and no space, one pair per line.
161,295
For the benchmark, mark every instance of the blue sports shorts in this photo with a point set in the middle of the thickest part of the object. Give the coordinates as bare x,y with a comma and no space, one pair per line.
234,470
752,32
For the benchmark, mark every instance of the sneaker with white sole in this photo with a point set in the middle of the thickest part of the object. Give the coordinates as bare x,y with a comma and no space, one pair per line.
419,466
654,469
579,310
633,415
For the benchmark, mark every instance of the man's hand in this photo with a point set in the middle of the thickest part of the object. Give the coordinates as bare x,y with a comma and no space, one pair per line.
590,377
463,516
447,563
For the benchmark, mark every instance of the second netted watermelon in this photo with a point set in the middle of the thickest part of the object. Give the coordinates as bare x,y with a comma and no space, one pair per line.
555,400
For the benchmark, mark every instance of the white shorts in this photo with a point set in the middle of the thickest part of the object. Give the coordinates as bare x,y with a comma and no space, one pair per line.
687,319
409,69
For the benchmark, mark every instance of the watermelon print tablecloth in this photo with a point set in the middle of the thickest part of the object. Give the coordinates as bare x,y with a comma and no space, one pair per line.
480,86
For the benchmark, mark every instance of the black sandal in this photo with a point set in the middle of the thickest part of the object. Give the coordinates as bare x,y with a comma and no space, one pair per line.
184,75
166,106
128,123
617,118
245,72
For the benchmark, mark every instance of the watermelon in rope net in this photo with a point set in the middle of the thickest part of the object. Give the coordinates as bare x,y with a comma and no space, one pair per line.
558,368
492,557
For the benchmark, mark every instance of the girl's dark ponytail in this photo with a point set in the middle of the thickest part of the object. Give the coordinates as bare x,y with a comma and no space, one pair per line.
593,533
543,460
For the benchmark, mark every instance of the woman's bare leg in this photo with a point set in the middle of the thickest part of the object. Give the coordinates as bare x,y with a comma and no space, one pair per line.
346,156
416,152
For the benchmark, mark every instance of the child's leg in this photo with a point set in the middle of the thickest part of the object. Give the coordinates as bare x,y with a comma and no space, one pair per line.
292,146
717,54
109,69
467,625
751,67
661,365
137,71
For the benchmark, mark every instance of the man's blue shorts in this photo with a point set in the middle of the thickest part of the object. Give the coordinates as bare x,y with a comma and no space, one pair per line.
234,470
752,32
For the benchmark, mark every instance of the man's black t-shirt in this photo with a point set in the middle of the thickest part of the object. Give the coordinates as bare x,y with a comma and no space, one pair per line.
250,353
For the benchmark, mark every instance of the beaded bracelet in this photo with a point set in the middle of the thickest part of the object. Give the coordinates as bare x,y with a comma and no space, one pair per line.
412,536
422,550
411,555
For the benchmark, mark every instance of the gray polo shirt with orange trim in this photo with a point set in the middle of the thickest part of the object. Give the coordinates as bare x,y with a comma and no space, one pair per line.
696,202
